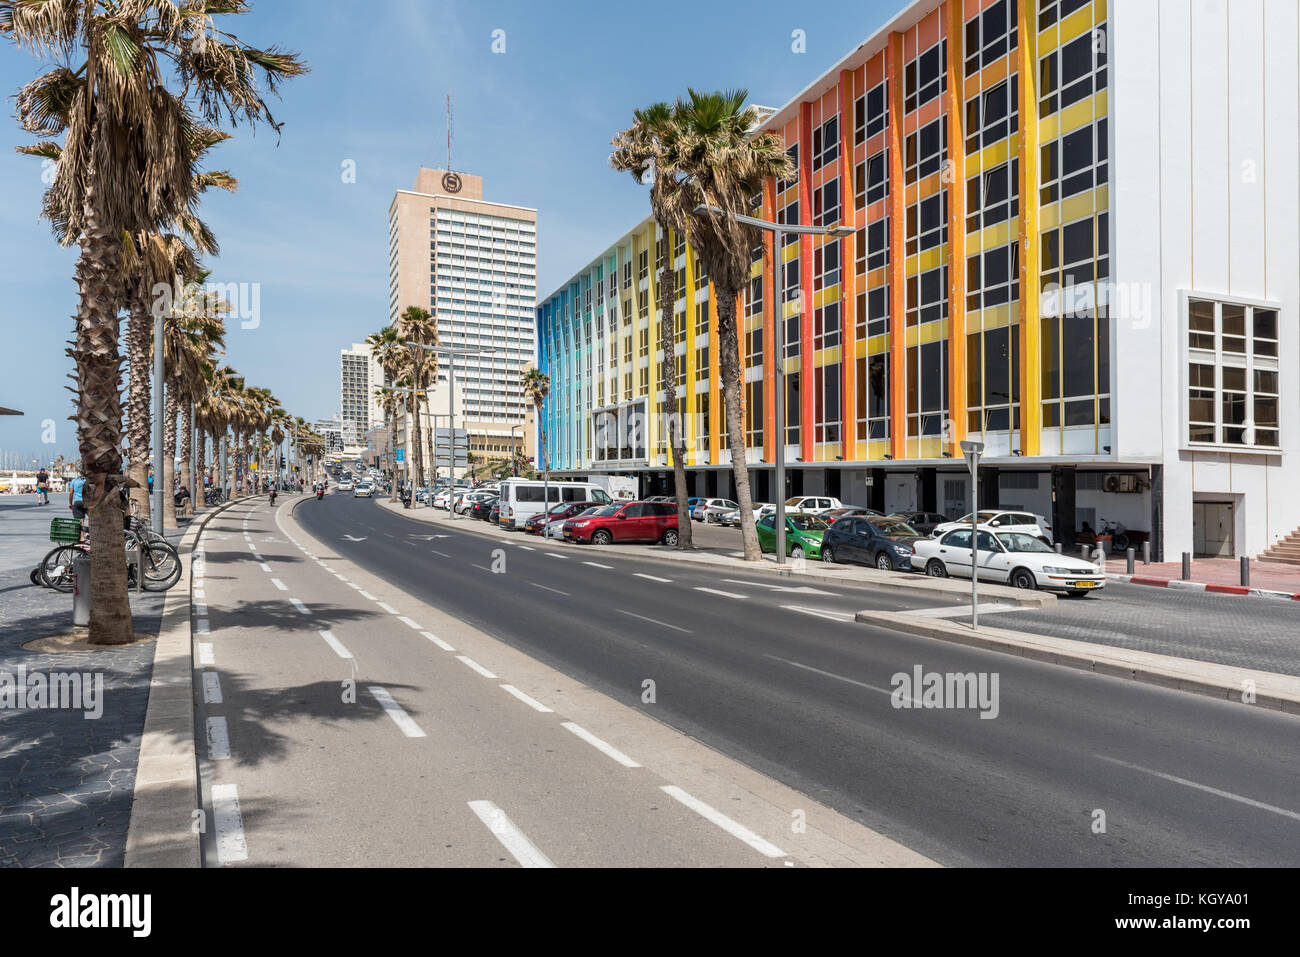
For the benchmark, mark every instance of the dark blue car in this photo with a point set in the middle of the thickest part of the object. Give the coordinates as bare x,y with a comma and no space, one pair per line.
886,543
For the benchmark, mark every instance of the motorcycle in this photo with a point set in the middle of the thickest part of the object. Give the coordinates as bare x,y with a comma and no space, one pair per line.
272,497
320,494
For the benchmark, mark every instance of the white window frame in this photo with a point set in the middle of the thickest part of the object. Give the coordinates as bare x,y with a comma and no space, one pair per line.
1250,362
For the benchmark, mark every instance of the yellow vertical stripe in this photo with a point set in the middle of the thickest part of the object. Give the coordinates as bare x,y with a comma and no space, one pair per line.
1031,407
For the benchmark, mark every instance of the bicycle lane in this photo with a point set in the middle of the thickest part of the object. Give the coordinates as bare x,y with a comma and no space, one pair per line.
427,762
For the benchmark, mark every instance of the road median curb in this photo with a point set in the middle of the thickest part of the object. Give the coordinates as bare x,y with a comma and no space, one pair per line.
160,833
1274,691
1243,591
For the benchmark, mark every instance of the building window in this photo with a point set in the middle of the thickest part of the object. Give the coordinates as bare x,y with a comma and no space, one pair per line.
873,246
993,197
871,179
993,115
826,326
783,184
826,265
1049,11
927,223
926,77
1074,72
826,412
873,312
927,296
991,35
873,398
993,277
927,403
826,143
826,204
993,380
1232,374
926,150
1075,163
870,113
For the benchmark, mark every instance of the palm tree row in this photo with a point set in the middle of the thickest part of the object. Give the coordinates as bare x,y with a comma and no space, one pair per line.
137,93
705,164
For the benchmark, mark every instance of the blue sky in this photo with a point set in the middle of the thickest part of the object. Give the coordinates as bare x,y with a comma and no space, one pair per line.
534,122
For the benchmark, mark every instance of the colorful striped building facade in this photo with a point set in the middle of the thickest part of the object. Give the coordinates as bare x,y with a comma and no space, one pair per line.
969,145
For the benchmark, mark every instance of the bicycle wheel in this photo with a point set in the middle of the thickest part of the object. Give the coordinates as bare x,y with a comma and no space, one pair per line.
55,570
161,565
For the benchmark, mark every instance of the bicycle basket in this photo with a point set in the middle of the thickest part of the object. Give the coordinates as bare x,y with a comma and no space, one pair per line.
65,531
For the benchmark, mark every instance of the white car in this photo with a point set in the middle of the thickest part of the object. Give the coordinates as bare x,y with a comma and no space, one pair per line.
466,501
345,486
732,517
712,509
1020,559
1003,520
364,490
811,504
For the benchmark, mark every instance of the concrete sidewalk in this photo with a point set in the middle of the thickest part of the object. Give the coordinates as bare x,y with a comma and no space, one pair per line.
916,584
1219,575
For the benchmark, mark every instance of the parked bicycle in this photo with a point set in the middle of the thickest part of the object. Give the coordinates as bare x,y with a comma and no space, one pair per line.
159,563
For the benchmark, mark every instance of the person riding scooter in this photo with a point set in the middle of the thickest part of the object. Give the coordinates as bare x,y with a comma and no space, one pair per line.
320,492
272,494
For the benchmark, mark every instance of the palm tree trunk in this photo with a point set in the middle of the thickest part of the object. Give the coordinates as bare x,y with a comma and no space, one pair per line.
200,470
187,444
729,368
167,473
99,421
419,448
668,372
138,332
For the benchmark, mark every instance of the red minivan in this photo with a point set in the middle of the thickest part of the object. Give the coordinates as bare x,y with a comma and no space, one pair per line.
625,522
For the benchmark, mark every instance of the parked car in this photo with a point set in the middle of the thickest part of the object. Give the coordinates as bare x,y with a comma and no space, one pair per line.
1003,520
494,516
468,500
812,504
732,518
709,510
626,522
558,513
835,514
555,530
521,498
482,507
887,543
1021,559
923,522
803,534
364,490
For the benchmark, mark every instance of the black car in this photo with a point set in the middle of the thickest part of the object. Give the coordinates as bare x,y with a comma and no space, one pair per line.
494,516
923,522
483,508
886,543
845,511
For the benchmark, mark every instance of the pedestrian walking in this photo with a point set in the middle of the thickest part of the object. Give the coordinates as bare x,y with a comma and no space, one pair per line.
75,501
43,486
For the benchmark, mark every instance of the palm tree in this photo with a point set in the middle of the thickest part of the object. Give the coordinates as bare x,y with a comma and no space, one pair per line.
389,352
388,401
537,386
649,150
127,167
721,163
416,325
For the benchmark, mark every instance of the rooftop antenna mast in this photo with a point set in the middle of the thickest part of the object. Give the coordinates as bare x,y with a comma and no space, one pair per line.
450,168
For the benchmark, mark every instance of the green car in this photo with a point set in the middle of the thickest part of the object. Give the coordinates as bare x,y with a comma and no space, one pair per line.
803,534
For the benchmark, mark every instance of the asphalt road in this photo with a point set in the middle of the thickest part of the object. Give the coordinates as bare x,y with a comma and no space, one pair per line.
780,681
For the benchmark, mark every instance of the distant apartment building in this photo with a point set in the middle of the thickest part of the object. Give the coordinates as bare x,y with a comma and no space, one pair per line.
359,377
1074,239
473,265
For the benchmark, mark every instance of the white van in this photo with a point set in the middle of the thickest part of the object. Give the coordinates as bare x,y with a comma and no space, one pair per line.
521,499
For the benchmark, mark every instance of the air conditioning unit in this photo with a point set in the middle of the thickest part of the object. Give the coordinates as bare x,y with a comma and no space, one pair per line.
1122,482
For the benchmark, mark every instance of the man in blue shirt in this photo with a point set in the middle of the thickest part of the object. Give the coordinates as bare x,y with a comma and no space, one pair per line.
75,502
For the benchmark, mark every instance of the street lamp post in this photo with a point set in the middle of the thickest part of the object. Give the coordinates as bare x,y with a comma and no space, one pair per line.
972,451
778,231
452,353
514,458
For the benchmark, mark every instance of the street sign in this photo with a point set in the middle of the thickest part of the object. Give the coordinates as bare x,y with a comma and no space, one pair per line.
401,456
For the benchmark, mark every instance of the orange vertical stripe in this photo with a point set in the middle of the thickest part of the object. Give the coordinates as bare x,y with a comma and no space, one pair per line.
897,260
805,286
717,436
770,347
956,230
848,277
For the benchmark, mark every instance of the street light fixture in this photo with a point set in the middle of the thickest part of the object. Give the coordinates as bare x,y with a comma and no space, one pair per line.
973,451
453,353
514,458
778,231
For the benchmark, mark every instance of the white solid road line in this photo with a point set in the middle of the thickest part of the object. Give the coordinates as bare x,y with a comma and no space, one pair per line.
531,702
471,663
735,829
407,622
396,712
597,565
601,746
831,674
211,688
388,608
556,555
366,595
218,740
548,588
335,644
354,585
825,613
1273,809
653,621
504,830
437,641
205,654
302,609
229,824
724,594
653,578
279,584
